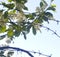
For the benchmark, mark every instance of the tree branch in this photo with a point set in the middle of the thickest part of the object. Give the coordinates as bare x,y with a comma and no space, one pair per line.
50,30
18,49
40,53
57,21
28,52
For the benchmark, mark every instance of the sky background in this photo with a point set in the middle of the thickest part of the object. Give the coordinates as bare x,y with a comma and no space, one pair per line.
45,41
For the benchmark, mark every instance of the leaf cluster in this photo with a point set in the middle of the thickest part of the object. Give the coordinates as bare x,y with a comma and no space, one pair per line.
24,21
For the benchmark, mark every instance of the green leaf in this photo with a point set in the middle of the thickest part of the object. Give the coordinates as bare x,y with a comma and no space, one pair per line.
44,2
2,29
36,21
41,4
51,8
49,15
18,1
10,6
1,52
24,35
10,32
21,1
5,14
3,3
2,37
16,33
31,16
12,12
9,0
25,8
10,53
24,1
33,30
17,30
53,5
45,19
28,28
40,19
52,0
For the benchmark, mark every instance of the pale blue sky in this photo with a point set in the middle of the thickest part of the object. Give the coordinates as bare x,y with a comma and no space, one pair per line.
46,42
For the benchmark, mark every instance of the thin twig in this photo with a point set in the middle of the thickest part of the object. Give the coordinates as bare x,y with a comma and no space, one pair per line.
40,53
19,49
50,30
